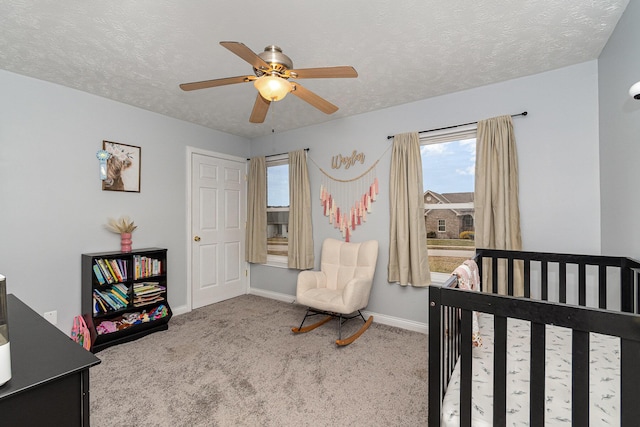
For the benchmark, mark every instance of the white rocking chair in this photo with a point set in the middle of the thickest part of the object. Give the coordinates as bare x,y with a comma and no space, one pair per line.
342,286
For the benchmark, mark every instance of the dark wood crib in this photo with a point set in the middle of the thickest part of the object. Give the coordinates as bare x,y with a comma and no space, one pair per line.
586,294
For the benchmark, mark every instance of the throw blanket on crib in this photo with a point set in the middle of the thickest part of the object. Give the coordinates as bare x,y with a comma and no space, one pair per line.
469,278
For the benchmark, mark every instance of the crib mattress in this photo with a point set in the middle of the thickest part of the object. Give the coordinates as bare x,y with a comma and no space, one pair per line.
604,378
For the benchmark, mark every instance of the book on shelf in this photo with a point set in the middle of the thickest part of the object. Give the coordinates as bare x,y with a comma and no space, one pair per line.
99,306
105,305
98,273
112,270
146,267
105,271
121,299
121,290
115,269
122,264
115,298
147,293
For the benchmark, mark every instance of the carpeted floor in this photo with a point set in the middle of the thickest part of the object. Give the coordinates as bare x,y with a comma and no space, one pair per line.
237,363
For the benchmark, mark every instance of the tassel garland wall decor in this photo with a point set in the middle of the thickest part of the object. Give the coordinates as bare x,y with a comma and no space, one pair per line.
347,202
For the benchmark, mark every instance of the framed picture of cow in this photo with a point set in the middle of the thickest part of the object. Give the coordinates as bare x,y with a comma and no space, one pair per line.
123,167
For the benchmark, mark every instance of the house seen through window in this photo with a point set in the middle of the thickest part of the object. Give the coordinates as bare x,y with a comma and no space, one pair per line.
448,169
277,207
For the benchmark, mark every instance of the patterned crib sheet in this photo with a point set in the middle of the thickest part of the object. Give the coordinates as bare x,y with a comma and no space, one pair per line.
604,378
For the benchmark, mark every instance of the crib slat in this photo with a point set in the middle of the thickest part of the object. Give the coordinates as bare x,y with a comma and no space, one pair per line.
494,275
629,380
602,286
527,278
446,368
636,284
510,276
626,291
580,379
563,282
582,285
465,369
537,374
500,371
453,350
544,285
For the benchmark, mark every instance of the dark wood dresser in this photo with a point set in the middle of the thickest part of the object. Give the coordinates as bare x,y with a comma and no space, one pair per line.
49,383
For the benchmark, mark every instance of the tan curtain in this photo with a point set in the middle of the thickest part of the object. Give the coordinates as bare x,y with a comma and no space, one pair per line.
497,221
300,255
256,236
408,262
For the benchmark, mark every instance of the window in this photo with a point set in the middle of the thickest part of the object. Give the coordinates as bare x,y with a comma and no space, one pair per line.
448,169
277,210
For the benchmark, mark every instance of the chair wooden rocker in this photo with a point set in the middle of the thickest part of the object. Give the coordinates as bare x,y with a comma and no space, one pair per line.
342,286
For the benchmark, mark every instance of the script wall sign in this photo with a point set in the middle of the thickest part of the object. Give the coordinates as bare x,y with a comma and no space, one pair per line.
347,161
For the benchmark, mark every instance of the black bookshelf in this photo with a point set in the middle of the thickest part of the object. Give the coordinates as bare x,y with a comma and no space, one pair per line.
124,295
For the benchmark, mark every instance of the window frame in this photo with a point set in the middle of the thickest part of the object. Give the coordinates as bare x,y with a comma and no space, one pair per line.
438,137
280,261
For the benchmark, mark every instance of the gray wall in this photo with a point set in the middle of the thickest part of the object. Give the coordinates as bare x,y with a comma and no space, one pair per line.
618,69
558,162
52,208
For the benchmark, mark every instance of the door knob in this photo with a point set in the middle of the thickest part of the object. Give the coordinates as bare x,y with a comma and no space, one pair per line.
197,238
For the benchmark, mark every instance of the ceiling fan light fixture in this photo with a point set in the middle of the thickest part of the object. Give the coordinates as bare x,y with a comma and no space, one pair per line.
272,88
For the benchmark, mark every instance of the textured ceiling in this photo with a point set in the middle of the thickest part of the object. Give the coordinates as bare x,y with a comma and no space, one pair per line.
138,52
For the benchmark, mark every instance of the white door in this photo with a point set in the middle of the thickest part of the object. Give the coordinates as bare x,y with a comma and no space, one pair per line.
218,200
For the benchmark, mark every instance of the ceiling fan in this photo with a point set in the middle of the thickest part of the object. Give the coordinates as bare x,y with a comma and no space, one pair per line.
273,71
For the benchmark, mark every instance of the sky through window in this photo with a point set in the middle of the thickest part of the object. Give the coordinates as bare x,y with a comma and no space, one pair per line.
449,167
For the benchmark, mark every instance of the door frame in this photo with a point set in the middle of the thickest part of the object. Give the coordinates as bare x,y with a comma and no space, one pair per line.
190,152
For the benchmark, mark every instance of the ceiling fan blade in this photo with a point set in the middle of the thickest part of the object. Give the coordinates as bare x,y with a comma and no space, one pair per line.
216,82
324,73
247,54
313,99
260,109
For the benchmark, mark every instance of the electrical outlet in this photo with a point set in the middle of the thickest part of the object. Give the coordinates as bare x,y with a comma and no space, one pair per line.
52,317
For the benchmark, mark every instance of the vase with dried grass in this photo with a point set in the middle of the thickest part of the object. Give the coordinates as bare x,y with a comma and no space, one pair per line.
123,226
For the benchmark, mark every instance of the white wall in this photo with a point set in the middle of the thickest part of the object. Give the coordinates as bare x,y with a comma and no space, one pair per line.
52,208
618,69
558,163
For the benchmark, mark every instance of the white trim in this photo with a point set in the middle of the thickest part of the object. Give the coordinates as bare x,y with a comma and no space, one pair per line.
410,325
443,206
196,150
280,159
449,135
279,261
273,295
439,278
383,319
183,309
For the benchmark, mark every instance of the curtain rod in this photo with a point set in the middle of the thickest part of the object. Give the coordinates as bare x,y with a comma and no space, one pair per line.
524,113
281,154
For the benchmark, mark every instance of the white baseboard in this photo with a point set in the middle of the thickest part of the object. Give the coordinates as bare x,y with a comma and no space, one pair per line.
273,295
177,311
383,319
410,325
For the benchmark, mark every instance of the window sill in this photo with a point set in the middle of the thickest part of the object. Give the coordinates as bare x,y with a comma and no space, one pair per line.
277,261
439,278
